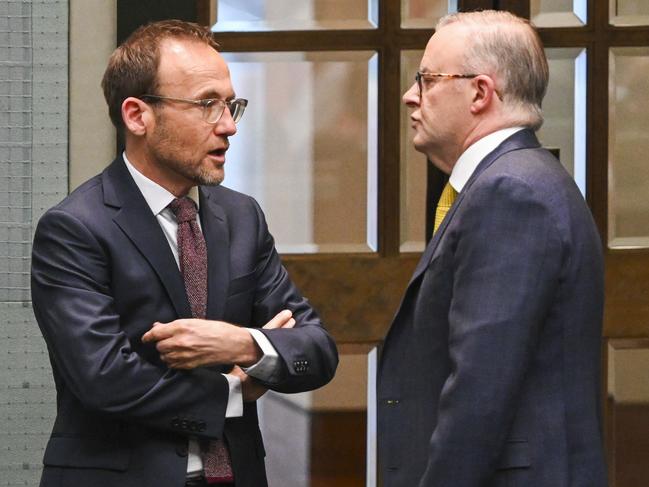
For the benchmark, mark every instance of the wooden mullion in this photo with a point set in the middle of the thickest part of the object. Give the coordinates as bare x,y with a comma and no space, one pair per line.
468,5
204,10
389,128
628,36
598,104
414,38
597,150
522,9
565,36
325,40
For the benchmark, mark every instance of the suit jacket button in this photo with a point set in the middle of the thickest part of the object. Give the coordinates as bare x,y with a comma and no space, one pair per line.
175,422
181,450
202,426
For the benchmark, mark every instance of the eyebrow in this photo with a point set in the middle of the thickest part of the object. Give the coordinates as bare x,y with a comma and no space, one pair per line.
213,95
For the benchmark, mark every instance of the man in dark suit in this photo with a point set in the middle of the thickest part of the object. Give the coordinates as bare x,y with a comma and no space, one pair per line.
490,373
160,295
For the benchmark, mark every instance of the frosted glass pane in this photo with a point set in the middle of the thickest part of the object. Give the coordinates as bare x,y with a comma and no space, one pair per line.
307,146
266,15
326,437
564,110
629,12
413,169
558,13
424,14
628,411
628,220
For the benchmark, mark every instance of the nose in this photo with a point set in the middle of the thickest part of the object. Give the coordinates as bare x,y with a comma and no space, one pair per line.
225,125
411,97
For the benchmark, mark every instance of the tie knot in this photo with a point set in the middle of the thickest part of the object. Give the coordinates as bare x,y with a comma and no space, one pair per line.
184,208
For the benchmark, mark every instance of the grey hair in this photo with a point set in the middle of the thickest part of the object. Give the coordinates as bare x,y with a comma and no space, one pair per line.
509,48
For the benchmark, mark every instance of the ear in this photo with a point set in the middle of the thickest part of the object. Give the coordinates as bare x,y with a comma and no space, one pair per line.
484,93
137,116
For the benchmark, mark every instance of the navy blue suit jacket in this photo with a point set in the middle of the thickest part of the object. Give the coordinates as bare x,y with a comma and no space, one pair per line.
102,273
490,372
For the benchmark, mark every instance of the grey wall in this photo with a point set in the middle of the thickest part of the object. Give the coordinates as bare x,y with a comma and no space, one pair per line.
33,177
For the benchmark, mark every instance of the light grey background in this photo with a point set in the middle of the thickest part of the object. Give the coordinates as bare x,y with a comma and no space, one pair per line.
33,177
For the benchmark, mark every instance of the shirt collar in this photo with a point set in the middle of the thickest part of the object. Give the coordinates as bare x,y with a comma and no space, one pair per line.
476,152
157,197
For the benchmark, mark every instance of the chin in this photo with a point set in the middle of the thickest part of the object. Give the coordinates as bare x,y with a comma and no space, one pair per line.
419,147
210,178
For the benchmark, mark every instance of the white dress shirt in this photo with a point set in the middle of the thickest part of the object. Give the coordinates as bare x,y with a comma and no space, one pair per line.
158,199
470,158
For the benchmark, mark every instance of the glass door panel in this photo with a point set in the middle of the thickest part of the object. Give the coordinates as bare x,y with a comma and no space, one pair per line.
424,14
308,156
628,219
269,15
413,169
558,13
629,12
564,110
627,405
325,437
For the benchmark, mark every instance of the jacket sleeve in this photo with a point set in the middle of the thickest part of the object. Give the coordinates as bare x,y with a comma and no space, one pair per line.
90,353
506,268
308,353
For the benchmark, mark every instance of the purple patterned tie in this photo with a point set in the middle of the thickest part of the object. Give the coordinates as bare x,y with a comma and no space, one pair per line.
192,255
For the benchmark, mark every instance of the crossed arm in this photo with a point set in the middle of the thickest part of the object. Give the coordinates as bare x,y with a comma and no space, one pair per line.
191,343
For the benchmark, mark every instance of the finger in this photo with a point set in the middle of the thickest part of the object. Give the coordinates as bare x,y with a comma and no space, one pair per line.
157,332
279,320
289,324
164,347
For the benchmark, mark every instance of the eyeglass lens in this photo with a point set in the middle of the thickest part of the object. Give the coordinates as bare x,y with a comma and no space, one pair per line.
216,109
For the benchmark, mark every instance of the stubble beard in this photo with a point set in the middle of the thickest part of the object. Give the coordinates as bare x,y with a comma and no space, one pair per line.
167,155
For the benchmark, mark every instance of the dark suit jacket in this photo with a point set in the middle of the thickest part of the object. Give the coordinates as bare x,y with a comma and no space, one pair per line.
102,273
490,373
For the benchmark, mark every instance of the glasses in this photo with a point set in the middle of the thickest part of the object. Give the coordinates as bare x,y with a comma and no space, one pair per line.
213,108
419,77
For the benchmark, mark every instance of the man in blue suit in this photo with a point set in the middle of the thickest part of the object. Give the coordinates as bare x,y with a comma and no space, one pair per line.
163,302
490,372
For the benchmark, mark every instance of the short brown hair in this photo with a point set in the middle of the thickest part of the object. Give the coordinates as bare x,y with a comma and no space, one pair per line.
133,67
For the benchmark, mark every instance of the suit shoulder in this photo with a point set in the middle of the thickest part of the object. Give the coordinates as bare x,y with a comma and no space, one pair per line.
81,196
83,204
536,168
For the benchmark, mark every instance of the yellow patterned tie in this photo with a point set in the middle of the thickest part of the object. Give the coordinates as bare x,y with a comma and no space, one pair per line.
444,204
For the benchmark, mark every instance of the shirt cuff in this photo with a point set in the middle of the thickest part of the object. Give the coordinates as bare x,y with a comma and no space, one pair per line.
268,368
234,408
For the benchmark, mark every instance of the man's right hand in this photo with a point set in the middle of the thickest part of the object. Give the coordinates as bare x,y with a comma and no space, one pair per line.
189,343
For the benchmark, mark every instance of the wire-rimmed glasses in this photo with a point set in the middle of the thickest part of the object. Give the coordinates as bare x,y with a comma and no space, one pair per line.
213,108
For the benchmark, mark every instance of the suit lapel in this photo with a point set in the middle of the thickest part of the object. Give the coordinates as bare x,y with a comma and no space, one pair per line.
217,239
135,219
519,140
